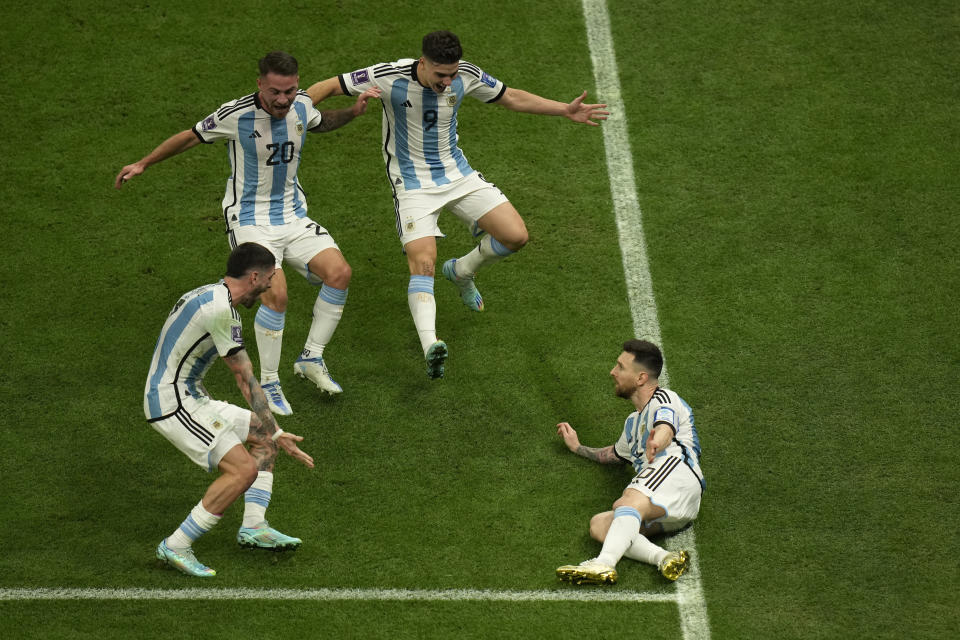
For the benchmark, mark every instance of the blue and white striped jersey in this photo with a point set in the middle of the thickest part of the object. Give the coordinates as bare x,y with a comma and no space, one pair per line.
264,157
202,325
419,125
665,406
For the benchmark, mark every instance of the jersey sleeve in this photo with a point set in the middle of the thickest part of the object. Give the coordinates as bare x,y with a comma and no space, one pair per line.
480,84
225,328
664,413
356,82
313,114
217,126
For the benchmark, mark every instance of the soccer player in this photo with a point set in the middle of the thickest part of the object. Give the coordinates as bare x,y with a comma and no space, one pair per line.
264,203
428,171
203,325
661,443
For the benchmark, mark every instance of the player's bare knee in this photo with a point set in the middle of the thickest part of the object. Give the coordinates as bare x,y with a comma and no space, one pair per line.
518,242
246,474
623,501
422,267
340,276
514,239
277,300
599,525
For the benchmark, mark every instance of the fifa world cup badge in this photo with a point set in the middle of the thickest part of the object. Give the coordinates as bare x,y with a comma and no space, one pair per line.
299,128
452,100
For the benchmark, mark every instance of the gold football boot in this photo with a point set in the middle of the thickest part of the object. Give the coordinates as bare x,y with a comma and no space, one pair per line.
587,572
674,565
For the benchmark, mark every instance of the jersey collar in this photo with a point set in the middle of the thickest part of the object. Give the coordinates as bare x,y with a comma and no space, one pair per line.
413,72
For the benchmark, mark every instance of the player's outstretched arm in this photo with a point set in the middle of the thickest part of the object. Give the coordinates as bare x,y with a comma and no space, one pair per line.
603,455
249,386
320,91
526,102
177,143
660,438
334,119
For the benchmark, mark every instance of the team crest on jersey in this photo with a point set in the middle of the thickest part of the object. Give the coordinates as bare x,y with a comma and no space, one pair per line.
236,334
217,424
299,128
452,100
359,77
209,124
488,79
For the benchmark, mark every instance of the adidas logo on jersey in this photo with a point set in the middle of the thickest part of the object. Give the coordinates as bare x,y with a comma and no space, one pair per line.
255,134
407,104
399,181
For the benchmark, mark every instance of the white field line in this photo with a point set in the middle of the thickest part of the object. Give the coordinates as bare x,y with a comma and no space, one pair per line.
328,595
633,247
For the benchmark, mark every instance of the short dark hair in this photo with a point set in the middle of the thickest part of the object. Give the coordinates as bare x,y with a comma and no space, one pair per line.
442,47
646,354
280,63
248,257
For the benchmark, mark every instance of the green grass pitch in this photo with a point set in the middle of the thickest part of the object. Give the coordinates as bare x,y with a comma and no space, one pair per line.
797,166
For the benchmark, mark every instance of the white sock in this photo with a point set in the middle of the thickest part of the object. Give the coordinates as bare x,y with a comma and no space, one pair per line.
327,311
423,308
487,252
623,529
257,499
197,523
642,550
268,327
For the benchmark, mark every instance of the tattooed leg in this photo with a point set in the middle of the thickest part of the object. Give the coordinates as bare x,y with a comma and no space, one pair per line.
262,447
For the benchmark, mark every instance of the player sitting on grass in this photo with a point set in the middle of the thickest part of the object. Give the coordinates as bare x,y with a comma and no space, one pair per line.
660,441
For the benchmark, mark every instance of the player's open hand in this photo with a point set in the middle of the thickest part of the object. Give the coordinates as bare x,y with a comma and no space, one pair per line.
126,173
586,113
288,442
360,106
569,435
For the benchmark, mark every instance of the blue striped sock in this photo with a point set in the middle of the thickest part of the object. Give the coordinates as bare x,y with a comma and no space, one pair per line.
420,284
196,524
270,319
257,499
498,248
333,295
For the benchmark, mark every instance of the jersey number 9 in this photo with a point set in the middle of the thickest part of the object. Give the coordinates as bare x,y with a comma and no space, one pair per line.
429,119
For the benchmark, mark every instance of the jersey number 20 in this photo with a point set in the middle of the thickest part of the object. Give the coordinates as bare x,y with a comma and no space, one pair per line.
280,153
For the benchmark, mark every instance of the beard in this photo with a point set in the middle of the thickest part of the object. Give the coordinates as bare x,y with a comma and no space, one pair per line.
623,392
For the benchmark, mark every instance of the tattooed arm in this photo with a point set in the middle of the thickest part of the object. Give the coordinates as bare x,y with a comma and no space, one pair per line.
242,369
265,428
336,118
605,455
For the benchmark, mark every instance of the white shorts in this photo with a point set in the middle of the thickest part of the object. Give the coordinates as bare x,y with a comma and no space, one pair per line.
205,430
296,243
468,198
671,485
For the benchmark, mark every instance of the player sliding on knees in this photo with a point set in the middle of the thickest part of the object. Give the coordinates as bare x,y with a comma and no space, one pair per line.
203,325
